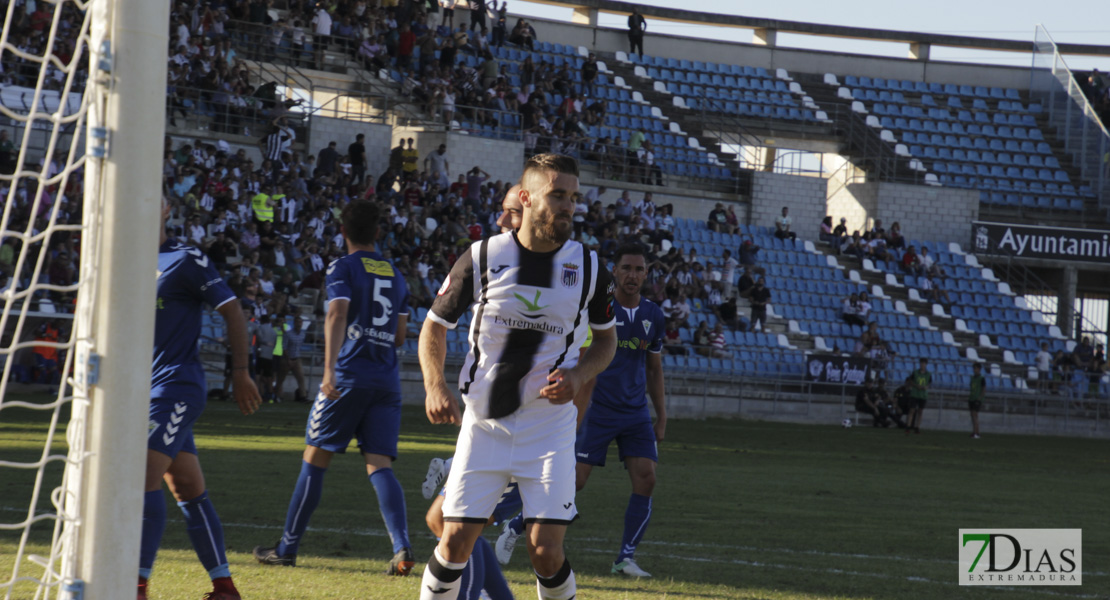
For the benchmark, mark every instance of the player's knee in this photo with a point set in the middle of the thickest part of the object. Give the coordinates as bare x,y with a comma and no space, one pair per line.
644,484
434,517
547,556
455,547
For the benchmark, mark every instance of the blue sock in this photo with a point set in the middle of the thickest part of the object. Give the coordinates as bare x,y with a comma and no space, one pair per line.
154,524
517,524
207,534
473,574
636,519
391,500
509,504
493,581
306,496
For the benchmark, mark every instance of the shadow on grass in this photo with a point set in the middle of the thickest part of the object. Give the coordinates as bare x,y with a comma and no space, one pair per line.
742,509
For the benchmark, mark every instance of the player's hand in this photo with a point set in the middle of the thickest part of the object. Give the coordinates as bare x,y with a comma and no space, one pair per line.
246,393
562,386
327,387
441,406
660,429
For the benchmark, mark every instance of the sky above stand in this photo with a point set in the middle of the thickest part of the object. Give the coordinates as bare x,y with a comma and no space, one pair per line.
1066,21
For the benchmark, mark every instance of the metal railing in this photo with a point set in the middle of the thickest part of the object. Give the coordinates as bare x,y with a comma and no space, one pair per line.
279,62
1040,411
714,119
614,162
197,109
351,106
1023,281
1078,126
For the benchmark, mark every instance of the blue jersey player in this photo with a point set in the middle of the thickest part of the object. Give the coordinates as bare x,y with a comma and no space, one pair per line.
186,282
360,395
618,409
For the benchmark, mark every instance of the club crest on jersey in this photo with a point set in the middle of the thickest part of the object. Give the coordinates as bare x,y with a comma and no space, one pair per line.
647,325
570,274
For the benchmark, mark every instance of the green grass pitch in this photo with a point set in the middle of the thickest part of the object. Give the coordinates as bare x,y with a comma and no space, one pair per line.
743,510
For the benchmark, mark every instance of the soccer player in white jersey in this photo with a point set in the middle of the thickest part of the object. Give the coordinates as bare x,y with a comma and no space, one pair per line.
535,293
618,408
186,282
482,575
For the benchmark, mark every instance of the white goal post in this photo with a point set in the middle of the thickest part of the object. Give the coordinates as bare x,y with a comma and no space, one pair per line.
94,551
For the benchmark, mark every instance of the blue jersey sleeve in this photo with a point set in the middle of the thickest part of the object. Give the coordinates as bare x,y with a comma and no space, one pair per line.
206,280
338,281
658,331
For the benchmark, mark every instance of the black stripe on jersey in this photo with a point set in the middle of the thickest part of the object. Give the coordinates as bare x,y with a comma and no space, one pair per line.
535,268
483,270
517,359
587,281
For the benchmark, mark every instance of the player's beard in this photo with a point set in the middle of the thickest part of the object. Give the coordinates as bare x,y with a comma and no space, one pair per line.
631,288
550,228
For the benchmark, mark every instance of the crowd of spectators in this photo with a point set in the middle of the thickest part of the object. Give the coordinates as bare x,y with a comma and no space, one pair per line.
889,246
29,33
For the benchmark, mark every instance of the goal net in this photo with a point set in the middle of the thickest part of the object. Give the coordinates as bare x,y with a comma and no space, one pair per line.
79,177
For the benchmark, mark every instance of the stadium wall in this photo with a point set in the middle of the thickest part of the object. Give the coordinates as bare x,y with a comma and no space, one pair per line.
805,196
856,202
502,159
930,213
693,397
695,204
791,59
323,130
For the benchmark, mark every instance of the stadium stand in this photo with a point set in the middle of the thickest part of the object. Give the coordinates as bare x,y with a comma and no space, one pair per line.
994,140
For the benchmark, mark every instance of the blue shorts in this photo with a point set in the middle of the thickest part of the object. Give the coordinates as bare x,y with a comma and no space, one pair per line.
635,437
373,417
170,429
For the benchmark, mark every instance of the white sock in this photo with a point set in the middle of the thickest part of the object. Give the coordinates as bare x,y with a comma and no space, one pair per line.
560,586
441,579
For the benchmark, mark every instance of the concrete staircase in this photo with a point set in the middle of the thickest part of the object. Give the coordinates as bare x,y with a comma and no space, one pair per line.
865,144
860,143
934,315
689,123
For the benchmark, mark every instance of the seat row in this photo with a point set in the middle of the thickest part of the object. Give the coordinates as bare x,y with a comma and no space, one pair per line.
932,88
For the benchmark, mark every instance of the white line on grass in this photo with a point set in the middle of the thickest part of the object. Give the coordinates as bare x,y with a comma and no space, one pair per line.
750,563
381,533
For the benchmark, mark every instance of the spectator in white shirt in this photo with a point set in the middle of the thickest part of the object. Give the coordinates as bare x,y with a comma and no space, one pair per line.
595,194
926,261
196,231
782,226
1044,367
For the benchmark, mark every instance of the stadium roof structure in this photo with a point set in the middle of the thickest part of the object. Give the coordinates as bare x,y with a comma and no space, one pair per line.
919,41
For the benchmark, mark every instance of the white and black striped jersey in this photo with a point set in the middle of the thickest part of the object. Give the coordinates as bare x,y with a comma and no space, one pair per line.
531,314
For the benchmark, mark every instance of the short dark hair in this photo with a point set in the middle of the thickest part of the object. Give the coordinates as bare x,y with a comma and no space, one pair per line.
560,163
625,249
360,221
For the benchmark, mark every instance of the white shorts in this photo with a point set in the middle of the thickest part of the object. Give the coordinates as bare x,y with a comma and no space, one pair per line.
533,447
